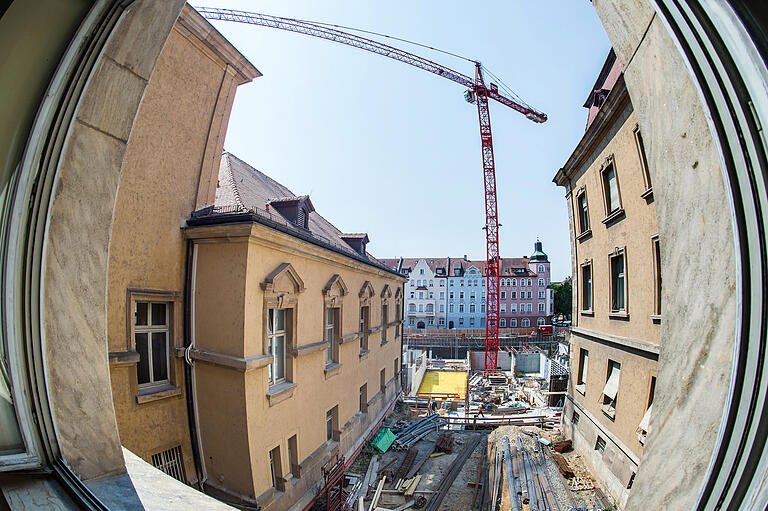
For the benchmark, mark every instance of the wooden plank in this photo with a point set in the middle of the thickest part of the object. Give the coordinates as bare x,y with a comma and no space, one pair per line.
377,494
412,487
562,465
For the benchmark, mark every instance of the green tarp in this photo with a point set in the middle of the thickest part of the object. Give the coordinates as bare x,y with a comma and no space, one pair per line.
384,440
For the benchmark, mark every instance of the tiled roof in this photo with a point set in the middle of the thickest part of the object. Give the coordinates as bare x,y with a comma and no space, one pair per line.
243,189
508,265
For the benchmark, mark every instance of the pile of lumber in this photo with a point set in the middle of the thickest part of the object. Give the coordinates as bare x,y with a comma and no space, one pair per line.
444,443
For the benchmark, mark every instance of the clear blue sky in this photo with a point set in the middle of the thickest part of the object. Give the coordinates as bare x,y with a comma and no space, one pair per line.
391,150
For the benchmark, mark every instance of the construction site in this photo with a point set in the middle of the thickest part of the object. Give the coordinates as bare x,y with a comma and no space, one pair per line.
465,438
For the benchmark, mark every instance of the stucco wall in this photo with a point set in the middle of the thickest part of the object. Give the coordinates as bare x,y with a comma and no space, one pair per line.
240,423
183,115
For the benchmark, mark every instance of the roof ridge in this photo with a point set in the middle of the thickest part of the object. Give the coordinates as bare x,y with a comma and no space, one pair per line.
254,169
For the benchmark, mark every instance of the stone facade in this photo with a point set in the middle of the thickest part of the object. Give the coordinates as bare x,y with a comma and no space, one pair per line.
614,340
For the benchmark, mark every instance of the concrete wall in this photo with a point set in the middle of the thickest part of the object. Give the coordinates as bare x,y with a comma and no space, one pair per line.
183,116
700,312
241,417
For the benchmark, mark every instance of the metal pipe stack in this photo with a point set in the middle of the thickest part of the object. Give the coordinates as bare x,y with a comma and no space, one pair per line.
416,431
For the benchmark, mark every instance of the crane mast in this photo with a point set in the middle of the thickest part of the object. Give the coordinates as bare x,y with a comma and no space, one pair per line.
477,92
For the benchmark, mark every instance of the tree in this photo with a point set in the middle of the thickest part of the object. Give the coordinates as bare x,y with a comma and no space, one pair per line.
563,297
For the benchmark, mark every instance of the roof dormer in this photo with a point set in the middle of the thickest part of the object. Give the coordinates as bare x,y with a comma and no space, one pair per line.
357,241
294,209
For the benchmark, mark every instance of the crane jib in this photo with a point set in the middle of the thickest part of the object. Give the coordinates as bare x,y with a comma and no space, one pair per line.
477,93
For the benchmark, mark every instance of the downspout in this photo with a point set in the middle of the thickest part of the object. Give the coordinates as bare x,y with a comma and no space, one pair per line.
189,368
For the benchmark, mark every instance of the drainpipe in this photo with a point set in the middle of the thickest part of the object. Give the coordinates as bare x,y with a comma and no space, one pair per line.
189,368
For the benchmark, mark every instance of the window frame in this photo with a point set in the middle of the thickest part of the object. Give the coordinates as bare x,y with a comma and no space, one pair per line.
643,157
273,333
582,213
586,265
657,277
332,350
610,214
608,405
582,371
615,311
151,329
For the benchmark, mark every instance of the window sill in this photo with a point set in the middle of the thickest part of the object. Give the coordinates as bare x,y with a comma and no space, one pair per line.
280,392
656,318
648,194
150,394
613,217
609,412
364,354
584,235
581,389
618,315
332,370
587,313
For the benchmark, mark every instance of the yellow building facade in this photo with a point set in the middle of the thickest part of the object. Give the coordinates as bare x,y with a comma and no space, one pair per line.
296,341
170,169
614,338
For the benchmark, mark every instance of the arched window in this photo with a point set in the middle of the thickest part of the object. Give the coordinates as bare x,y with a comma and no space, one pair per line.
442,283
411,307
540,321
513,322
541,268
430,283
530,282
514,282
471,307
525,322
502,322
541,282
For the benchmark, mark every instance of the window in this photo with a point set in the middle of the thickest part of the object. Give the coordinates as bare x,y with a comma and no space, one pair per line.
575,418
421,295
530,282
442,283
364,322
441,321
461,295
331,423
364,398
411,283
461,321
411,321
643,160
421,307
170,462
503,294
431,321
450,295
514,282
586,286
540,322
611,189
412,294
411,307
431,295
529,297
472,295
274,467
151,333
276,336
512,307
618,282
611,389
529,307
456,272
642,428
461,307
384,321
600,444
431,283
421,271
293,455
330,336
656,276
472,307
430,308
383,381
513,323
541,269
541,294
581,379
482,307
513,295
541,282
525,322
471,321
450,307
502,322
503,307
483,283
442,307
583,211
541,307
461,282
442,295
396,367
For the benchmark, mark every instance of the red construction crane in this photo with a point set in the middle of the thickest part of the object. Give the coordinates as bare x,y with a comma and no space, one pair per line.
476,93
